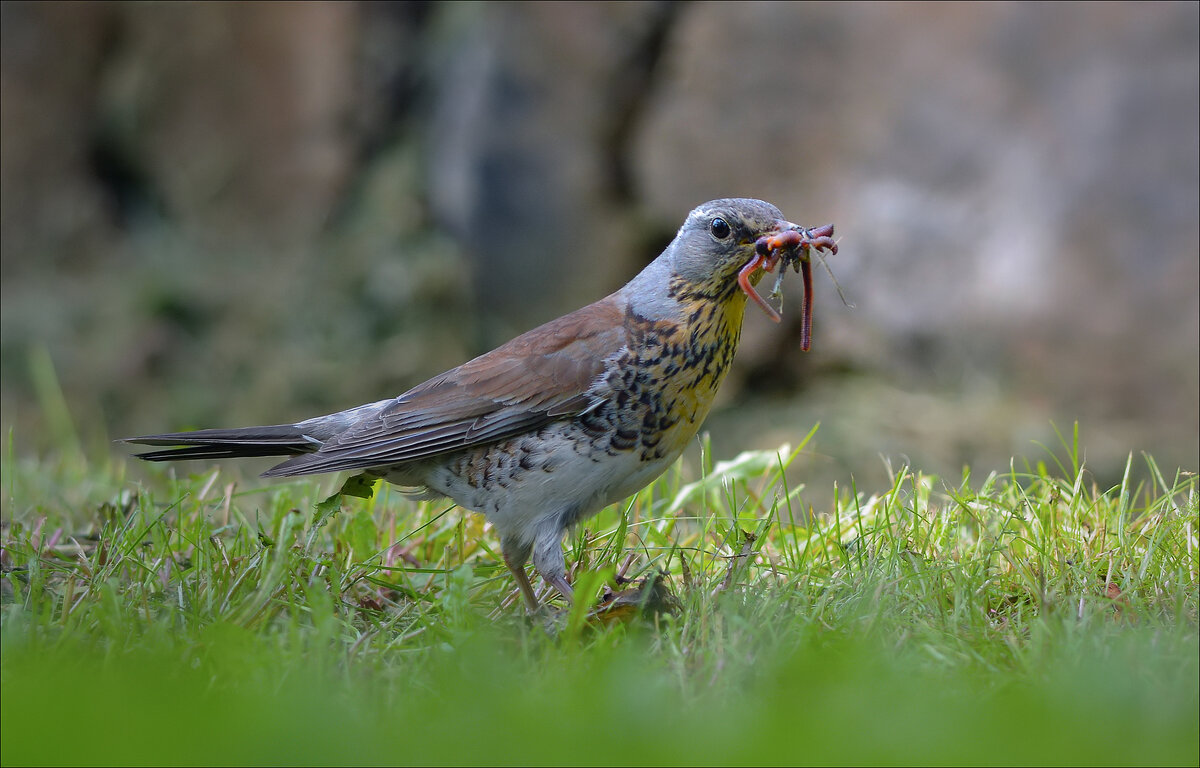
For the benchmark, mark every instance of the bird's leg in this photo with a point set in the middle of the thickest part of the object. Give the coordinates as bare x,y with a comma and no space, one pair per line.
549,561
515,557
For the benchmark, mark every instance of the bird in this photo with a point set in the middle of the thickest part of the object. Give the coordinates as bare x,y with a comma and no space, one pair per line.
551,427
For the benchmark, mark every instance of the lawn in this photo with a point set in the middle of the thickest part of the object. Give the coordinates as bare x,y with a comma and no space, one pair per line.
1014,615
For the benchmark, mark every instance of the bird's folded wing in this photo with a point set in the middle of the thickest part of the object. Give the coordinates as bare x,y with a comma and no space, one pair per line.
536,378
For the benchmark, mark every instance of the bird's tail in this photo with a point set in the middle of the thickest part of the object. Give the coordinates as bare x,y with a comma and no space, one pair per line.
278,440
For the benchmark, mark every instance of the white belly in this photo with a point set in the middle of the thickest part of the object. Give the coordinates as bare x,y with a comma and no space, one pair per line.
523,484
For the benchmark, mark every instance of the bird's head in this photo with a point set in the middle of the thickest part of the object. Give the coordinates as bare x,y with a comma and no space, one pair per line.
725,246
718,240
718,257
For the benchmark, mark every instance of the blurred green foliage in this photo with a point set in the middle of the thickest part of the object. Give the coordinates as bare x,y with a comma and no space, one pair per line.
1089,694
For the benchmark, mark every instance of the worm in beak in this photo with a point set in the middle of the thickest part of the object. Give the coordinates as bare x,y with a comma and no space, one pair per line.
792,246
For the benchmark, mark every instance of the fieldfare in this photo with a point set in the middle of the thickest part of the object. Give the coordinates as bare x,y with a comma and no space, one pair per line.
574,415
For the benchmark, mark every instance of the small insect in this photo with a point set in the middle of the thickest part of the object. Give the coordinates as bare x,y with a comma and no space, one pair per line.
792,248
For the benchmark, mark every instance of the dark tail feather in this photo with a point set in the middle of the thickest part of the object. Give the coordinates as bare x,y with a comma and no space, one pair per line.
281,440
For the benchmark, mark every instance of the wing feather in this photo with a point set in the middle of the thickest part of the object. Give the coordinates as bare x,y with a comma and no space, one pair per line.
536,378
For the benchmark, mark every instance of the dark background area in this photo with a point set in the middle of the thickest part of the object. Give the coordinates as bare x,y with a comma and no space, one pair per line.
232,214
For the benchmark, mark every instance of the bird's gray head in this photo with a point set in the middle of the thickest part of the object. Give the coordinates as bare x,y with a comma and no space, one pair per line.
718,239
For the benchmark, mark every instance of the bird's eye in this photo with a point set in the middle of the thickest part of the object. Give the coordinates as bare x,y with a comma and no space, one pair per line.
719,228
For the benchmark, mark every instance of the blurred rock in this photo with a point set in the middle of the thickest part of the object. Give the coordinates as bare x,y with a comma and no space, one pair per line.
975,180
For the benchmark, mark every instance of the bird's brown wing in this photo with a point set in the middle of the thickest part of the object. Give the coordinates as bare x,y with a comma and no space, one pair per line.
536,378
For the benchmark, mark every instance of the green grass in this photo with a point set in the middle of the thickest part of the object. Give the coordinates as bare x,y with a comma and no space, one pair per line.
1024,616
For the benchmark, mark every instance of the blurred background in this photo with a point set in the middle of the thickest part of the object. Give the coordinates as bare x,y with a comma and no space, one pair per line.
234,214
